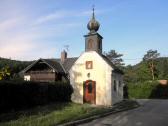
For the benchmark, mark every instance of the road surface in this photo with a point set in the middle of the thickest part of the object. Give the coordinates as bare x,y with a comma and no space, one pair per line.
151,113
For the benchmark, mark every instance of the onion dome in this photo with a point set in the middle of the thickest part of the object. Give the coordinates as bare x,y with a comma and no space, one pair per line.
93,25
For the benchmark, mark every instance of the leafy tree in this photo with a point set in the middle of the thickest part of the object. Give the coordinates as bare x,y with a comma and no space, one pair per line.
129,74
150,57
142,72
115,57
5,73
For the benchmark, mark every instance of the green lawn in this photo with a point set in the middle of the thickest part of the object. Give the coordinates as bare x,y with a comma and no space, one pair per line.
49,114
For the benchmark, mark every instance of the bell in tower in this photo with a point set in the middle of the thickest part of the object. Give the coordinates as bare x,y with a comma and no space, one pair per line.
93,40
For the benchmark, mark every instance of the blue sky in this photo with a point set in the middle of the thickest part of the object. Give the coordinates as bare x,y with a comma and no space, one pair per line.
32,29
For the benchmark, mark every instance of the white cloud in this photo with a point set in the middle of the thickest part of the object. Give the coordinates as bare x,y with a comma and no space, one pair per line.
8,24
51,16
62,14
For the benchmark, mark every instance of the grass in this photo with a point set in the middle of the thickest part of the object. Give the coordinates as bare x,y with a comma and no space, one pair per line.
52,114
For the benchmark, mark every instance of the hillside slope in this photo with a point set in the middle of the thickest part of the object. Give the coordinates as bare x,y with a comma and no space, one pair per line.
14,65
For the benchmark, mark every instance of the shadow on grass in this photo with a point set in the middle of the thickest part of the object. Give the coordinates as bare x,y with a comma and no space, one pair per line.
42,110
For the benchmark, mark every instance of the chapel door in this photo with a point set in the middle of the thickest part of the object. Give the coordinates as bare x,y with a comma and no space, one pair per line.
89,92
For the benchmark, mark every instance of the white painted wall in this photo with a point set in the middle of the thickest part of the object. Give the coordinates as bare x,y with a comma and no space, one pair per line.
101,73
118,94
27,77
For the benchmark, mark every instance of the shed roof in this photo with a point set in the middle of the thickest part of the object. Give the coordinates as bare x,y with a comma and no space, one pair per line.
56,64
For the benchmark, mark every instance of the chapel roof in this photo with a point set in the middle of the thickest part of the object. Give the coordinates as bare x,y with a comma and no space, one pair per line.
108,61
69,62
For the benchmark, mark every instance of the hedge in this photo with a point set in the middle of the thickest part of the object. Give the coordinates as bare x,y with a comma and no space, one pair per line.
21,95
147,90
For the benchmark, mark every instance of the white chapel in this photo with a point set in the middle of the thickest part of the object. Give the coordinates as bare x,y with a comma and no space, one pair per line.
94,78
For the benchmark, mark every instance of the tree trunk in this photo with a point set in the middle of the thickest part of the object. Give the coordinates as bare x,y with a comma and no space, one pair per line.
153,77
152,70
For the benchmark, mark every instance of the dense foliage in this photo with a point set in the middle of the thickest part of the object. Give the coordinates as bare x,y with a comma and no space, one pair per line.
20,95
162,68
147,89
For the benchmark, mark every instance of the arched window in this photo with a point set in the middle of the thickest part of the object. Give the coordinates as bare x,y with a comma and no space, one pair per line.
90,44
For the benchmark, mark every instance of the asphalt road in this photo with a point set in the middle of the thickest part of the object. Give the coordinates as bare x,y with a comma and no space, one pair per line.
151,113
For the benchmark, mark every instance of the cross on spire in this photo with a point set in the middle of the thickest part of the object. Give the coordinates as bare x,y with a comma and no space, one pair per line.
93,16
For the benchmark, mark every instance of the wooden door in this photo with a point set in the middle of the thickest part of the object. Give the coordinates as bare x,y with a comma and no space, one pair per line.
89,92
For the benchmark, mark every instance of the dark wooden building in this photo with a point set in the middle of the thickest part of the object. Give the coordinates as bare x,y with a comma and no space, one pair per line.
49,70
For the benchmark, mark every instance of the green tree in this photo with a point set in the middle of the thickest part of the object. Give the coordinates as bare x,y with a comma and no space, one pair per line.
162,67
143,72
150,58
115,57
137,73
5,73
129,74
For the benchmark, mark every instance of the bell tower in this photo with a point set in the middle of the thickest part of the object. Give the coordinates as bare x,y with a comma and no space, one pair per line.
93,40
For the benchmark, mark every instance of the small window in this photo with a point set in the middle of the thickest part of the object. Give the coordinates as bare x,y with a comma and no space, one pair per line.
115,86
89,64
90,87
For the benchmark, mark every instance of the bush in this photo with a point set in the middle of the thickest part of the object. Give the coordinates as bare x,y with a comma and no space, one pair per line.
147,89
21,95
